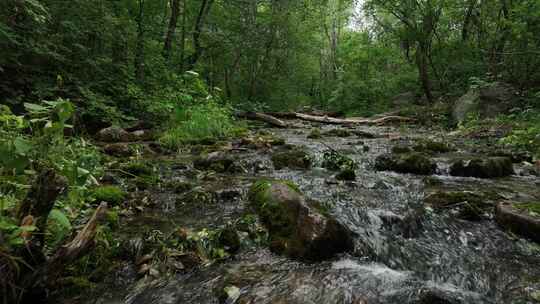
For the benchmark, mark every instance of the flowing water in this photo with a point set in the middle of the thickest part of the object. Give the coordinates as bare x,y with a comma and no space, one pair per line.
404,252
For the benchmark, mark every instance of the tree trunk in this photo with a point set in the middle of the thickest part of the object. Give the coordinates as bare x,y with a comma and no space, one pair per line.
183,38
139,50
422,62
175,12
206,5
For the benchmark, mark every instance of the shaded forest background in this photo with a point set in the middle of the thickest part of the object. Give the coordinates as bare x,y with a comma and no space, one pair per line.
127,59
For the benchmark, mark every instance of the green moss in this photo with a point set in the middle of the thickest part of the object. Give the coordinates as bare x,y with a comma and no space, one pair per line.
483,167
401,149
346,174
414,162
333,160
315,134
294,159
531,208
109,194
138,168
338,133
113,218
430,146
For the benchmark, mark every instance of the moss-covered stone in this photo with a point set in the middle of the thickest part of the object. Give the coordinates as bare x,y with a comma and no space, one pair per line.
180,186
443,199
216,161
293,159
491,167
338,133
315,134
432,147
346,174
333,160
522,219
109,194
414,162
198,196
401,149
297,228
138,168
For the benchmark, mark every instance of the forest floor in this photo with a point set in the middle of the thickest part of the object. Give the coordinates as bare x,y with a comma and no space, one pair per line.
187,232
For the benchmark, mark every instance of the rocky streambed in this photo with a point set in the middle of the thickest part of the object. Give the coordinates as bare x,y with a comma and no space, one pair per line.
372,215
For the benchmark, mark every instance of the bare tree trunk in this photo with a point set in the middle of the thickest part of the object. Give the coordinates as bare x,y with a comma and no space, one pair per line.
206,5
175,12
183,37
139,51
422,63
467,21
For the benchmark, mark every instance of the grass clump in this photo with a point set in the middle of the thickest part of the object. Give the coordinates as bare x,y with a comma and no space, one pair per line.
201,121
109,194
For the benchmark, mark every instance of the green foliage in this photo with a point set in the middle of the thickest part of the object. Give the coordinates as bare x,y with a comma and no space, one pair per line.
525,133
334,160
58,228
110,194
206,120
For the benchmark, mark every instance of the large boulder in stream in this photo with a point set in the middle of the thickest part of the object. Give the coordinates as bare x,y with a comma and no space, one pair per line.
219,162
298,227
413,162
487,101
490,167
520,218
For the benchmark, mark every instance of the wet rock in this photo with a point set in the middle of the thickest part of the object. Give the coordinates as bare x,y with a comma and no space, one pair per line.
523,219
228,194
338,133
180,186
293,159
414,162
443,199
298,228
529,169
216,161
119,150
334,160
230,240
346,175
491,167
315,134
470,205
113,134
486,101
198,196
364,134
515,156
401,149
432,147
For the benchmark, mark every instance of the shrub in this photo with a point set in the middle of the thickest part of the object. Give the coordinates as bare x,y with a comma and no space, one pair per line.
201,121
110,194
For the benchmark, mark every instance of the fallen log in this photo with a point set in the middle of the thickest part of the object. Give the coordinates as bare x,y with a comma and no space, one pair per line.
339,121
263,117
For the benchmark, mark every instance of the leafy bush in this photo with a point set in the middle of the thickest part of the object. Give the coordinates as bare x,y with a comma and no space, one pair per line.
110,194
202,121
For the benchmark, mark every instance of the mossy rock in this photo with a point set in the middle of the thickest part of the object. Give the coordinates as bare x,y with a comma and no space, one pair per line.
520,218
216,161
138,168
432,147
491,167
293,159
346,175
515,156
297,228
414,162
401,149
180,186
338,133
198,196
333,160
315,134
109,194
471,205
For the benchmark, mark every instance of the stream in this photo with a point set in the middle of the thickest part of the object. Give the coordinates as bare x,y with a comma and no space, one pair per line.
404,251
